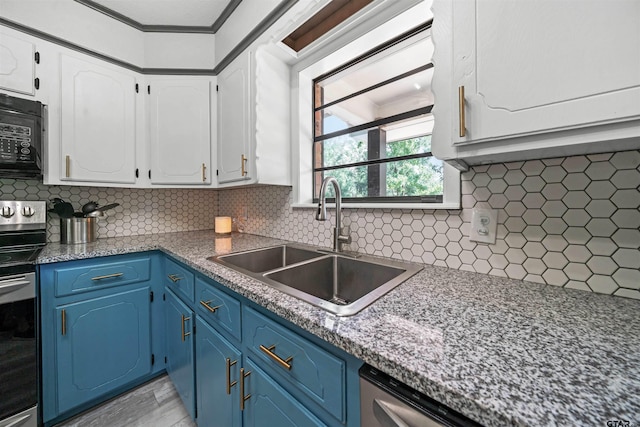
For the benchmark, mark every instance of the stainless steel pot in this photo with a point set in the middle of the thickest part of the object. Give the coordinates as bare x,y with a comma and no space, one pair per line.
78,230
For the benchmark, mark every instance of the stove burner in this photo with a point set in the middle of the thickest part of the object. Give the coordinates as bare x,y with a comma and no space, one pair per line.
5,258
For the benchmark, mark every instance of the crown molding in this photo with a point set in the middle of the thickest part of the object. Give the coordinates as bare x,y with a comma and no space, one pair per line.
278,12
69,45
270,19
212,29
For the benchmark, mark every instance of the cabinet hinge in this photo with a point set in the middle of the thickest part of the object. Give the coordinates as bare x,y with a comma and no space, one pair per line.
151,296
137,88
37,57
149,89
137,173
36,83
153,359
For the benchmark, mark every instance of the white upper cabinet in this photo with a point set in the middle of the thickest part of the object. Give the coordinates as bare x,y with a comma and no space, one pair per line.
539,78
254,120
17,64
98,122
180,130
234,108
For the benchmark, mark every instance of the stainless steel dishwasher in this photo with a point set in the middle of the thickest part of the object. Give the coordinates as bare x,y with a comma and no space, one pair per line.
386,402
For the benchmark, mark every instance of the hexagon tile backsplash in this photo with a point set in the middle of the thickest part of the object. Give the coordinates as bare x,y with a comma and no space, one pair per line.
572,222
141,211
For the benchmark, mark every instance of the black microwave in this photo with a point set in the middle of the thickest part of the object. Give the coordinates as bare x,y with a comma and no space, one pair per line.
21,137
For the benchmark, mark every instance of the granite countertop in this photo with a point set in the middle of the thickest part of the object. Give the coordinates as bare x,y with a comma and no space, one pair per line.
501,351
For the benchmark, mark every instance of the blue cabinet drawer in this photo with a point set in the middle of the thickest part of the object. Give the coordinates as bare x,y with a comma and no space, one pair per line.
219,309
100,274
315,372
179,279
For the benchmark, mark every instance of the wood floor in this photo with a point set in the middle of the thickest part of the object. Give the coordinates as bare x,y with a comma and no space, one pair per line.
154,404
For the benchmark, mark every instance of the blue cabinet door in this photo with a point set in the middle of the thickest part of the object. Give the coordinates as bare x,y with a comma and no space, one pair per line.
102,344
269,404
179,349
218,392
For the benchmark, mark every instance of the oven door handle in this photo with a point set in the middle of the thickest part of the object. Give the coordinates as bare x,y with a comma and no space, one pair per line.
8,286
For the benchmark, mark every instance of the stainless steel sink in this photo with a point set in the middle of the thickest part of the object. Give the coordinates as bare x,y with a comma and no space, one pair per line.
338,283
261,260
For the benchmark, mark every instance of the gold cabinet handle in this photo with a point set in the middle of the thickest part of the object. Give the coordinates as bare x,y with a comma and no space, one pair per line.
229,383
174,278
285,363
63,314
204,173
243,398
184,334
107,276
68,166
244,163
206,305
463,130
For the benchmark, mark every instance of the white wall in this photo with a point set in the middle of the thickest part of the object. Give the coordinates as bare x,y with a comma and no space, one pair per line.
179,50
244,19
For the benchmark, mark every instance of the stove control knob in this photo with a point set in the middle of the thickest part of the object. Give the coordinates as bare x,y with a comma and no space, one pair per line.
6,211
28,211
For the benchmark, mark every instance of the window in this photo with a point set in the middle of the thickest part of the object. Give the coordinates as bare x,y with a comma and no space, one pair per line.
373,123
361,112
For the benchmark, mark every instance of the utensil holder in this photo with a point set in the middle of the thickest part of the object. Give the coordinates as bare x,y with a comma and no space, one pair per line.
78,230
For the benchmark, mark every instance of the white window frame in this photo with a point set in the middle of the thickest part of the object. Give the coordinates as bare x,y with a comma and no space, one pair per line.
373,32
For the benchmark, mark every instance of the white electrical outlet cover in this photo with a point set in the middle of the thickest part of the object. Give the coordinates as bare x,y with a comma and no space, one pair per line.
484,225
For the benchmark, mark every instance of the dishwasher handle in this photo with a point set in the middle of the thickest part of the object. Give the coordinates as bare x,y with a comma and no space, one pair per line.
386,402
384,413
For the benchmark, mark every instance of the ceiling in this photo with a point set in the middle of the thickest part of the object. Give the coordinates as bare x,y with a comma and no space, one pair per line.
149,14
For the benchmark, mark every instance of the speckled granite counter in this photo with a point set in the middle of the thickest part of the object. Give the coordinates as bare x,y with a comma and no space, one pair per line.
501,351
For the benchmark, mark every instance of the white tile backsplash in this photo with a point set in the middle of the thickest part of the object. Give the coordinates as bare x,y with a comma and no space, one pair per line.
141,211
570,222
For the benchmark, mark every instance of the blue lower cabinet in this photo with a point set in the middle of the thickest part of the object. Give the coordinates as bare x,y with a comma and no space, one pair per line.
217,383
101,344
316,373
101,330
268,404
179,349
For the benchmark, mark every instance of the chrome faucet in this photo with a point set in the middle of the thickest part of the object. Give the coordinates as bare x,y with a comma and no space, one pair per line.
338,238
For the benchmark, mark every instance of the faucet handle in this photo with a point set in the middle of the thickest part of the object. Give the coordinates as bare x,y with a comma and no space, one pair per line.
344,235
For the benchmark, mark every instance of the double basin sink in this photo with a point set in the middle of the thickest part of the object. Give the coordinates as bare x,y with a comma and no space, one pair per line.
339,283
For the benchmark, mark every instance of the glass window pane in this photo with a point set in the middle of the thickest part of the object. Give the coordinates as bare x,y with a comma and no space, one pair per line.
415,177
387,64
407,94
406,147
354,147
402,178
344,149
353,182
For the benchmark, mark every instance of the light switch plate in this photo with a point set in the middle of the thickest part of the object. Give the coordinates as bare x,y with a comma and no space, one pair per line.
484,225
